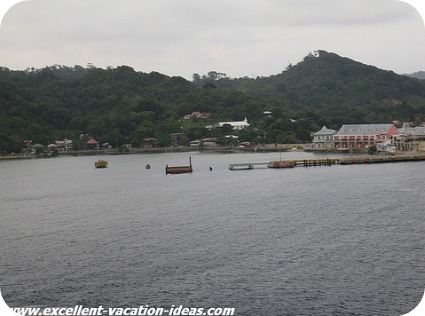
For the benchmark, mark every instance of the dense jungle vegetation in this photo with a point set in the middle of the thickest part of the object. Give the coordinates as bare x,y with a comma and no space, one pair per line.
120,105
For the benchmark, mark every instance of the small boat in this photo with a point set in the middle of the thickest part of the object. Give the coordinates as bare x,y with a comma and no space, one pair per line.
148,166
179,169
281,164
101,164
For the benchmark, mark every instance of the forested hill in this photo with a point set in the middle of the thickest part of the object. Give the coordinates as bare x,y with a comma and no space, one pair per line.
325,85
112,105
125,106
419,75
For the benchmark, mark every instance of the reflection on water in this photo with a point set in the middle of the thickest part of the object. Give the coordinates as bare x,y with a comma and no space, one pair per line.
302,241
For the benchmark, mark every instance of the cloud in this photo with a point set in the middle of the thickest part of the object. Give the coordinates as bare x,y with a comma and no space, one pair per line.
238,37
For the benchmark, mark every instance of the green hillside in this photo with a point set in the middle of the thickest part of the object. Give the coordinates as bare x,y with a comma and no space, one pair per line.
327,86
124,106
418,75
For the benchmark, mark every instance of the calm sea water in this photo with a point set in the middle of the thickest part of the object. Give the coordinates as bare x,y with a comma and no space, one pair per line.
340,240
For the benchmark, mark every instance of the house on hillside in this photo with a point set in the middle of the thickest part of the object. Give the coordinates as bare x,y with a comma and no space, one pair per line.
197,115
363,136
267,114
236,125
323,139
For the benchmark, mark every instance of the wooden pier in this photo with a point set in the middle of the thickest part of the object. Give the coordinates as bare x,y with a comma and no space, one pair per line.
317,162
326,162
385,159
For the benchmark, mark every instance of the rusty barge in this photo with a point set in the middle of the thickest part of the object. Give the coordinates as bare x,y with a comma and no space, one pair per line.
179,169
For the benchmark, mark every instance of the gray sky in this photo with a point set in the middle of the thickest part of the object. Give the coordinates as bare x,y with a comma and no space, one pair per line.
236,37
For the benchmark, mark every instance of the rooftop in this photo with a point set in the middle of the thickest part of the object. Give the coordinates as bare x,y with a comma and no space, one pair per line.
364,129
325,131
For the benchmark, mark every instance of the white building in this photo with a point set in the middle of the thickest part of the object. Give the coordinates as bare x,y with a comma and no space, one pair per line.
236,125
323,139
62,145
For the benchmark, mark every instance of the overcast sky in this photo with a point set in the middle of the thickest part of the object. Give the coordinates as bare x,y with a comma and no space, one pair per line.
236,37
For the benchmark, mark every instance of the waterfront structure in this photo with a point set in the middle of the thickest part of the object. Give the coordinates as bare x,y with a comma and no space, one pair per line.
236,125
410,138
61,145
209,142
149,142
64,145
205,142
278,164
195,143
323,139
363,136
93,143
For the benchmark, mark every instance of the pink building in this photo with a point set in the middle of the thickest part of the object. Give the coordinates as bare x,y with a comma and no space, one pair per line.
363,136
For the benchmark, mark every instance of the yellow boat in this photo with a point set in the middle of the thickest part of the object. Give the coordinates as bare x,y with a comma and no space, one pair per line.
101,164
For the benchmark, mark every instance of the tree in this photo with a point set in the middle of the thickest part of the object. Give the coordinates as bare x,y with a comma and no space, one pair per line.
196,78
120,104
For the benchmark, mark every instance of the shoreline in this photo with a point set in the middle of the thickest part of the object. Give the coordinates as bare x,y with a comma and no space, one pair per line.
263,149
